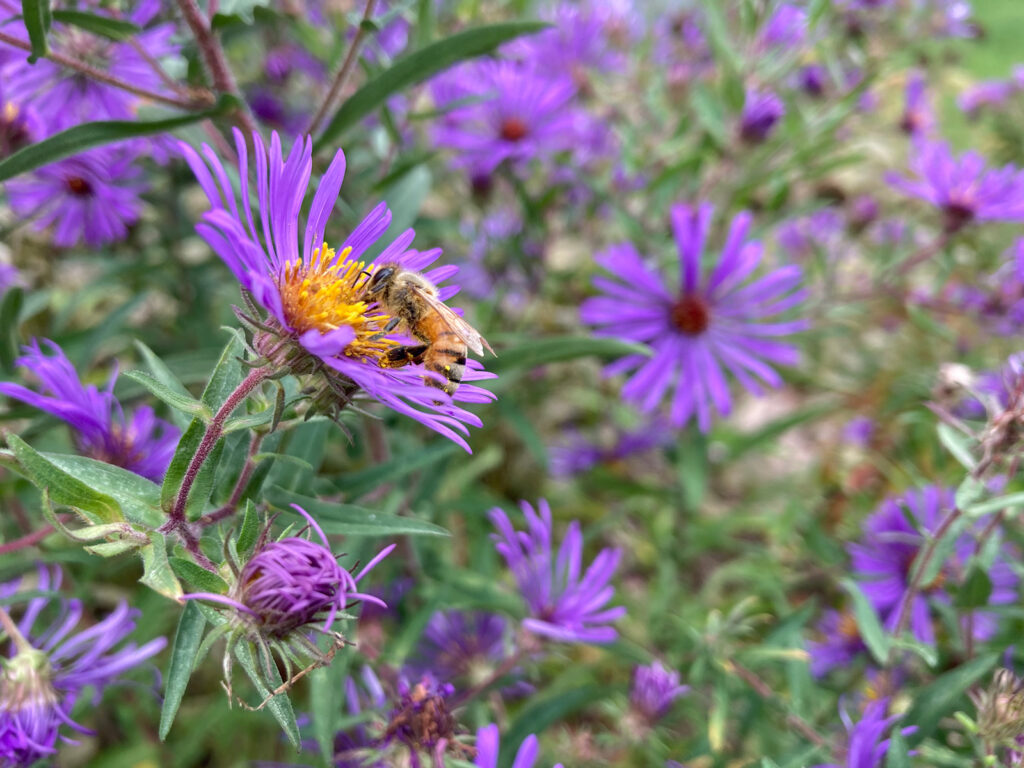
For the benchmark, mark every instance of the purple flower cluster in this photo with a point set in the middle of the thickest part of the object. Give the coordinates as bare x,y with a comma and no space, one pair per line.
715,321
47,669
139,442
563,602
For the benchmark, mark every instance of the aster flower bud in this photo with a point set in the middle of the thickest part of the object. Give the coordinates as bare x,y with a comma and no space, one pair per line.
1001,709
762,111
655,688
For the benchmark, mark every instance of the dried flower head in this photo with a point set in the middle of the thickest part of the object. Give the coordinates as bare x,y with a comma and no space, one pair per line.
1001,709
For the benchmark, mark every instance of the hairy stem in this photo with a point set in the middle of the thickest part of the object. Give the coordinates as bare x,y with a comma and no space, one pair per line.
925,253
200,99
243,480
30,539
341,77
13,633
213,57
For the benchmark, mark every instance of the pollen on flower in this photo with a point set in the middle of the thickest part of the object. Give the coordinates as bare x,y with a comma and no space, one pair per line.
326,294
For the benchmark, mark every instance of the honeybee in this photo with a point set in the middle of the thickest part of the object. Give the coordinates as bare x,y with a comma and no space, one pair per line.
413,304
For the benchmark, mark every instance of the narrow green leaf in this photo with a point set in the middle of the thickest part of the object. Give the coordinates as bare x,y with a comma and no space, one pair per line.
968,492
183,656
355,484
183,454
1010,501
940,697
36,15
202,579
184,403
280,706
557,349
243,10
976,589
10,310
61,487
250,530
350,519
958,444
868,624
419,66
88,135
898,753
104,26
156,568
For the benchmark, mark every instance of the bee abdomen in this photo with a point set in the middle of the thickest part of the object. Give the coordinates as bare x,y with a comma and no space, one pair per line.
447,362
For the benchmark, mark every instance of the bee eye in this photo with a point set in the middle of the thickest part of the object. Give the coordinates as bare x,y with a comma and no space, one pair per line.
382,274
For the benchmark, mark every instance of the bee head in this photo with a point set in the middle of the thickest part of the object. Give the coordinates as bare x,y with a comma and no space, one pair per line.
380,279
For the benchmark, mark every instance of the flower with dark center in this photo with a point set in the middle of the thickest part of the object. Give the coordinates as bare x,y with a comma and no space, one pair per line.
422,722
139,442
710,322
564,602
310,313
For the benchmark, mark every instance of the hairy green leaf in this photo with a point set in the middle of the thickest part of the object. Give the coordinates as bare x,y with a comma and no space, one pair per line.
183,656
350,519
182,402
104,26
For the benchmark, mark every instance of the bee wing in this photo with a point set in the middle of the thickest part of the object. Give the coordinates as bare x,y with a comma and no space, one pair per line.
469,335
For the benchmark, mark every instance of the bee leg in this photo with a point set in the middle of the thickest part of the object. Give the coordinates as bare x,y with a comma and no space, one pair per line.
388,328
399,357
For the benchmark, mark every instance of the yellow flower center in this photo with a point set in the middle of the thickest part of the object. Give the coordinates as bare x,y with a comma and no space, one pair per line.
327,294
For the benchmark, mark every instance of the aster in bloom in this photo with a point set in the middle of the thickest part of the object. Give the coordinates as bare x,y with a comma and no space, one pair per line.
90,198
563,602
884,562
463,644
655,689
320,323
918,117
962,188
139,442
421,720
19,126
504,111
577,454
488,741
762,111
64,97
786,28
46,669
866,745
840,643
707,324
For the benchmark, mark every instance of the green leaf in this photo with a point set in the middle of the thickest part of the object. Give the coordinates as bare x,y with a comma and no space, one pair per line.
138,497
868,624
238,9
940,697
545,710
419,66
1010,501
708,111
958,444
61,487
969,491
187,446
355,484
183,655
204,580
104,26
37,17
182,402
350,519
88,135
898,753
10,310
976,589
250,530
156,568
280,706
558,349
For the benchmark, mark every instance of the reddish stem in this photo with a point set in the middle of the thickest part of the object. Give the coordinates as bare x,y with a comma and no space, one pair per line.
243,480
30,539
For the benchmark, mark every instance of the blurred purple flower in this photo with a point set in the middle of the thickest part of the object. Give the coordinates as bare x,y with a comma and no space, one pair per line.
841,643
561,605
92,198
575,454
421,720
461,645
334,325
46,670
681,47
986,95
19,126
866,746
655,689
63,97
487,748
859,430
884,562
786,28
762,111
355,747
962,188
9,277
805,236
141,443
995,301
707,324
498,111
918,117
813,80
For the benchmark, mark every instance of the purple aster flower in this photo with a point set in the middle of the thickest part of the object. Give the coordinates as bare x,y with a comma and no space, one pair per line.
139,442
64,97
292,583
681,47
19,126
806,236
918,117
866,746
762,111
421,720
462,645
859,430
563,602
885,558
487,747
709,323
862,212
498,111
786,28
577,454
986,95
46,670
655,689
962,188
813,80
92,198
335,331
996,301
355,747
840,643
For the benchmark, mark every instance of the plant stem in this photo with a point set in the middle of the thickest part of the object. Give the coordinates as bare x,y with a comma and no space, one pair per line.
765,692
12,632
343,74
243,480
30,539
925,253
214,430
202,98
215,60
